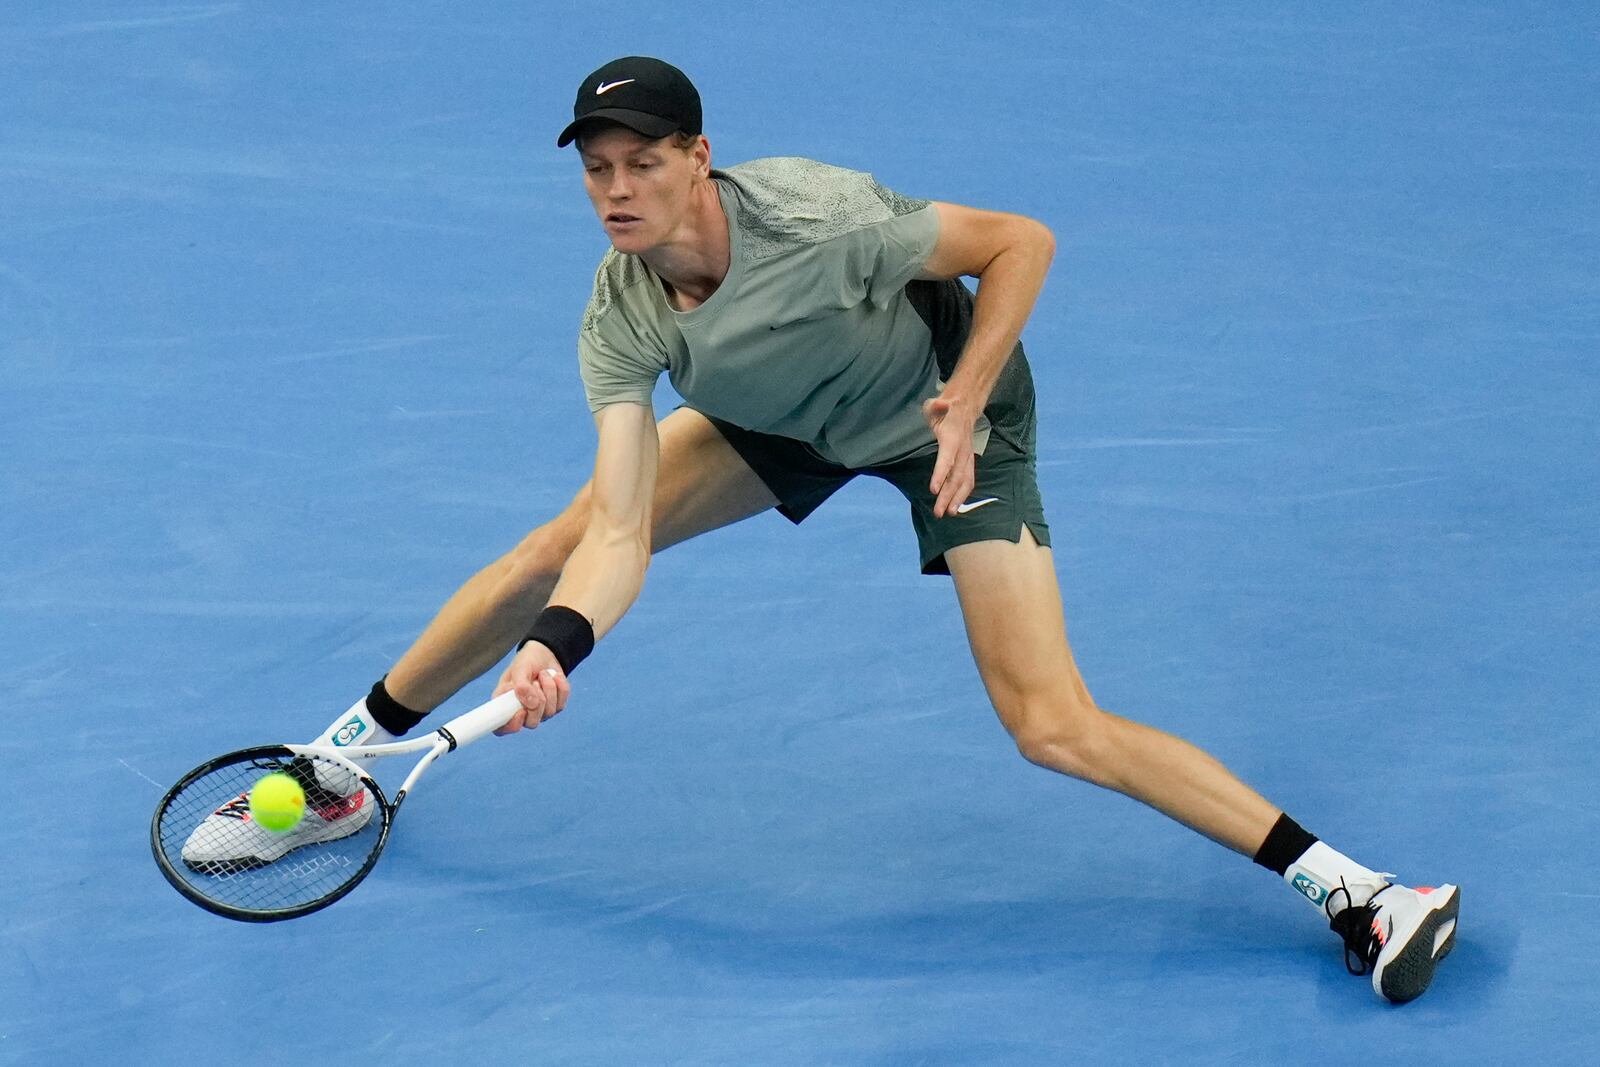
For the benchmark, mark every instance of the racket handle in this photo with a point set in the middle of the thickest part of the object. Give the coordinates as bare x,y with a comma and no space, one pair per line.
485,718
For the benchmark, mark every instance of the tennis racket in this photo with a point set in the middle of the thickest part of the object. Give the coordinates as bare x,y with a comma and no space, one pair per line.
213,853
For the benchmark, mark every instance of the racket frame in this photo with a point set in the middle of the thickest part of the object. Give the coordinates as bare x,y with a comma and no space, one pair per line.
458,732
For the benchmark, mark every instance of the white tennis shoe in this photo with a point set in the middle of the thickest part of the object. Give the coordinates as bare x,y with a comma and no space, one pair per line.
336,780
1398,935
229,840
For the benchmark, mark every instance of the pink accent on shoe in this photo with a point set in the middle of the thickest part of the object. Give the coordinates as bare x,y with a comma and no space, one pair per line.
341,808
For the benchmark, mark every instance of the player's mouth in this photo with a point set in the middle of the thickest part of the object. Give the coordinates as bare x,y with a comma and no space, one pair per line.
621,220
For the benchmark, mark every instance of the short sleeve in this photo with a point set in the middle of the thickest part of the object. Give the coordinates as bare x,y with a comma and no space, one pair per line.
896,250
613,373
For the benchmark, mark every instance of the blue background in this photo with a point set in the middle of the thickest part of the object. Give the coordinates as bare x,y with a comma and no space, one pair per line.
288,297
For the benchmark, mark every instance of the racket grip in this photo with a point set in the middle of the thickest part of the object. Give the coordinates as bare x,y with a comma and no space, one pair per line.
485,718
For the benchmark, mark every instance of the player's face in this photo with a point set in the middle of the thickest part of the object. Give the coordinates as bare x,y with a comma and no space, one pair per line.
640,187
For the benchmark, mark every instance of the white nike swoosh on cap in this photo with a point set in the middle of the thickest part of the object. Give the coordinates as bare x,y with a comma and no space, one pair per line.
974,505
606,87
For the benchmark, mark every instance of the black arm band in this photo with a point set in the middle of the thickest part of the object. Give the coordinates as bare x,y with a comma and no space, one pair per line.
564,632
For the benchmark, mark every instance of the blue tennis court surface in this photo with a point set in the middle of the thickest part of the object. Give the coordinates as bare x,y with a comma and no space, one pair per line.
288,301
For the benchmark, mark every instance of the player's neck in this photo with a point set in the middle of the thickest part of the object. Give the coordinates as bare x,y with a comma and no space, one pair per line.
693,262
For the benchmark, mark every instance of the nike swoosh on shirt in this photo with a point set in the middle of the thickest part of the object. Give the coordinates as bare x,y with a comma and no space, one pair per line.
974,505
606,87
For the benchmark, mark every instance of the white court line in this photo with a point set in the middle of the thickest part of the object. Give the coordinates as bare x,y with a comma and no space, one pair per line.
140,773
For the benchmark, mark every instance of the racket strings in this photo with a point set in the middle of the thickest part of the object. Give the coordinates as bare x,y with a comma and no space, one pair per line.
327,793
215,852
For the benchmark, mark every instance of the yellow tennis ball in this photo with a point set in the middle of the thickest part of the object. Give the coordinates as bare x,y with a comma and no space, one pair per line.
277,802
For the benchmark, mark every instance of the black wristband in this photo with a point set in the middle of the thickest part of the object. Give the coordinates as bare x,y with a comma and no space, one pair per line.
564,632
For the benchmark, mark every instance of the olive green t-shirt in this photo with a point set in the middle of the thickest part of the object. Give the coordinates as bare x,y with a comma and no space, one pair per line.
810,335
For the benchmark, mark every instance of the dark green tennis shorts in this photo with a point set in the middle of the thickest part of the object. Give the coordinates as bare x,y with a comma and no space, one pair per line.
1005,499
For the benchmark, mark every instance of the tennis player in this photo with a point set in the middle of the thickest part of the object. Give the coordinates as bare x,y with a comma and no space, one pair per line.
816,326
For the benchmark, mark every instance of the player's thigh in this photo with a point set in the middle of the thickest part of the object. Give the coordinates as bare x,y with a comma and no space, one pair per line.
1011,605
702,483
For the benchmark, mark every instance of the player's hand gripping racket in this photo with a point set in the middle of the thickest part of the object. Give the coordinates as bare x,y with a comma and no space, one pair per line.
213,852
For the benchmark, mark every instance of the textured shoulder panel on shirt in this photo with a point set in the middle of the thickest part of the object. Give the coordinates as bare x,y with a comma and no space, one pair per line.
615,273
789,202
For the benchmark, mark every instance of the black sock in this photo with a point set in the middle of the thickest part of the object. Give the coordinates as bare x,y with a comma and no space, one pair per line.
1286,842
389,713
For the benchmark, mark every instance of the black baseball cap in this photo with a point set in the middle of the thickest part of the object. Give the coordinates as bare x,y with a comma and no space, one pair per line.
643,94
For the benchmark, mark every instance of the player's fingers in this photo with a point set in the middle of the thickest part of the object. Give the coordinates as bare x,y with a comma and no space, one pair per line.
956,488
563,689
941,468
550,691
531,693
946,485
968,480
934,410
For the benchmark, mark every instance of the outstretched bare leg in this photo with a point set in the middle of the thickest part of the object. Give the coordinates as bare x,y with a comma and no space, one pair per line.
1012,608
702,484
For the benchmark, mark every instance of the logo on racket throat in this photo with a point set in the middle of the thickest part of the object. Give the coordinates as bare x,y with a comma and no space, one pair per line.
348,733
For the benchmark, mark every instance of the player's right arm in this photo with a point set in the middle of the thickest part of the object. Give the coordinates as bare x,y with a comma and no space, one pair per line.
603,576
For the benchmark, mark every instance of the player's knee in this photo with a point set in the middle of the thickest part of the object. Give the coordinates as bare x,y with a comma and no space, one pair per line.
537,561
1065,734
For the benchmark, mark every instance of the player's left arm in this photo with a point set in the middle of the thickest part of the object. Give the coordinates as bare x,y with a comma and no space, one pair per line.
1009,255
